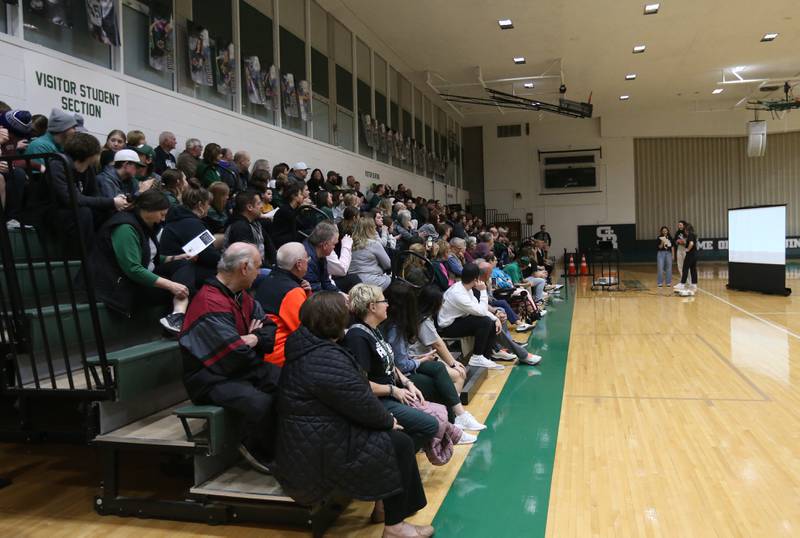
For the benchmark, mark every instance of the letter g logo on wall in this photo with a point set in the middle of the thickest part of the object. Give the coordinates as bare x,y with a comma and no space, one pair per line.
606,233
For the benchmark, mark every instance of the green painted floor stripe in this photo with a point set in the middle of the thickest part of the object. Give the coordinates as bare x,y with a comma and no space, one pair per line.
503,488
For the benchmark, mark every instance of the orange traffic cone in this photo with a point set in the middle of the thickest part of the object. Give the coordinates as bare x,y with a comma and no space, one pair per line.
584,267
571,269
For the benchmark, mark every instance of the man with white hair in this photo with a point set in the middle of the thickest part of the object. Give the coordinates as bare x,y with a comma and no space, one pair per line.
224,339
456,261
282,293
190,158
164,159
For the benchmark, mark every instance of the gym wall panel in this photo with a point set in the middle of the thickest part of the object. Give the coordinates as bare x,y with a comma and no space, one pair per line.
775,178
698,179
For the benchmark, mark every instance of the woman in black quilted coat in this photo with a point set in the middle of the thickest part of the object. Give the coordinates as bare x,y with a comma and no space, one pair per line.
334,436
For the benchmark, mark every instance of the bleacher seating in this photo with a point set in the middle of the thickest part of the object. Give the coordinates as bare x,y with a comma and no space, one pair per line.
76,369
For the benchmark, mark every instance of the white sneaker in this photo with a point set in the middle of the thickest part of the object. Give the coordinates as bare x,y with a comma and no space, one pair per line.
468,422
483,362
678,286
523,327
467,438
542,312
502,355
531,359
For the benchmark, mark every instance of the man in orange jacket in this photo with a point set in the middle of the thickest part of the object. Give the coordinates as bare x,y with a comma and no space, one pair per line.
282,293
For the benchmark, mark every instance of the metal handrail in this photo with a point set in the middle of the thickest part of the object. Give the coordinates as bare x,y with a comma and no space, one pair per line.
15,319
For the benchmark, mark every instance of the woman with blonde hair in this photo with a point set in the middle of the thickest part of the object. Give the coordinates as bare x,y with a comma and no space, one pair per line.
370,261
217,216
442,254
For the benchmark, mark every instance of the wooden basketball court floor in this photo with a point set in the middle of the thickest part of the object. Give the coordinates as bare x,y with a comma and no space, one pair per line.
665,417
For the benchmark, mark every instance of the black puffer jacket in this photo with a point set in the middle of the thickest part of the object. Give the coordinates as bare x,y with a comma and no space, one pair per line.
333,433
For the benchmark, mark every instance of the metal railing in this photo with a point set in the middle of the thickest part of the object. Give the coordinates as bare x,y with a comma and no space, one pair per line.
46,295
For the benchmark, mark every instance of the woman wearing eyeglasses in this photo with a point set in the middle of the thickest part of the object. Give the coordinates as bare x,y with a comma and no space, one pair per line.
376,358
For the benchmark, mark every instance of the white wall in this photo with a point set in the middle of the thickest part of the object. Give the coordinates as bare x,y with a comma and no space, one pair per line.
511,164
152,110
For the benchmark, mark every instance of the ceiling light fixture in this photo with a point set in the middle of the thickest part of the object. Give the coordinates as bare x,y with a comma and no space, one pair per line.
651,9
638,49
528,84
505,24
519,60
630,76
624,97
718,91
769,37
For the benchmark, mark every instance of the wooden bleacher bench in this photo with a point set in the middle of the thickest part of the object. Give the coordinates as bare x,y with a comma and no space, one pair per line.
224,488
461,349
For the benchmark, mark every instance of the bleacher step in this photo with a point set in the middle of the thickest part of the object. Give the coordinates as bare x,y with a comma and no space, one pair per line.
38,272
243,482
34,244
61,381
476,375
162,429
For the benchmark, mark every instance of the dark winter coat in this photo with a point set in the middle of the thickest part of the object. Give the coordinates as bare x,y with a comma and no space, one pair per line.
211,342
181,227
333,433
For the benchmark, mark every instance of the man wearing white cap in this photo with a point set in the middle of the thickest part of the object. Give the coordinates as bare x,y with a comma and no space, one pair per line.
119,177
299,172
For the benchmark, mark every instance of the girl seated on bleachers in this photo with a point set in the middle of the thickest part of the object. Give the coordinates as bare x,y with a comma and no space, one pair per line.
129,270
435,379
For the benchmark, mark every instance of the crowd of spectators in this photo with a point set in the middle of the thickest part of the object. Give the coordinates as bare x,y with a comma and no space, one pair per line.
315,308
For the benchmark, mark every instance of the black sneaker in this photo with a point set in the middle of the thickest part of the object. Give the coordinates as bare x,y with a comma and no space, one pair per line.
173,323
253,461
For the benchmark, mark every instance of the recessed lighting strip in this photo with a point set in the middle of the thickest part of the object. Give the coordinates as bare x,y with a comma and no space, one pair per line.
651,9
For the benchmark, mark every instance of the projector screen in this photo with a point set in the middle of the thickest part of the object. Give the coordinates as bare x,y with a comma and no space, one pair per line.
757,235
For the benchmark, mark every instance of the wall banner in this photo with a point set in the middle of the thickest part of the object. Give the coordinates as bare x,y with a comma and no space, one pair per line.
99,98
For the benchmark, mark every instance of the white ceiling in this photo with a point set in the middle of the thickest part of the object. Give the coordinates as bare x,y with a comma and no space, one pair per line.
689,45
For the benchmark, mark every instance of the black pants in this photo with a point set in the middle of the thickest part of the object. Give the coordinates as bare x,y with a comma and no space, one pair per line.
481,327
412,498
432,379
180,271
67,226
346,282
689,264
418,425
253,399
15,188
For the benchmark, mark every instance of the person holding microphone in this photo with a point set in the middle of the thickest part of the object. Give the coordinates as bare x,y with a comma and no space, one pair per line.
679,242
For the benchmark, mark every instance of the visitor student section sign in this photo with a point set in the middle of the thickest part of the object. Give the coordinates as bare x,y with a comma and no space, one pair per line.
99,98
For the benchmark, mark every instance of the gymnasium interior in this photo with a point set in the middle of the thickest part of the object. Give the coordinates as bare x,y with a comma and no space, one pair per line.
638,382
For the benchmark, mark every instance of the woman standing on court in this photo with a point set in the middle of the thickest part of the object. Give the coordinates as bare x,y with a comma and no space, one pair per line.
680,245
690,261
664,259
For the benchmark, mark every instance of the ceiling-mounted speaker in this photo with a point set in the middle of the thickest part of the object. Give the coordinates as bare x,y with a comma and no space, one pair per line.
756,138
